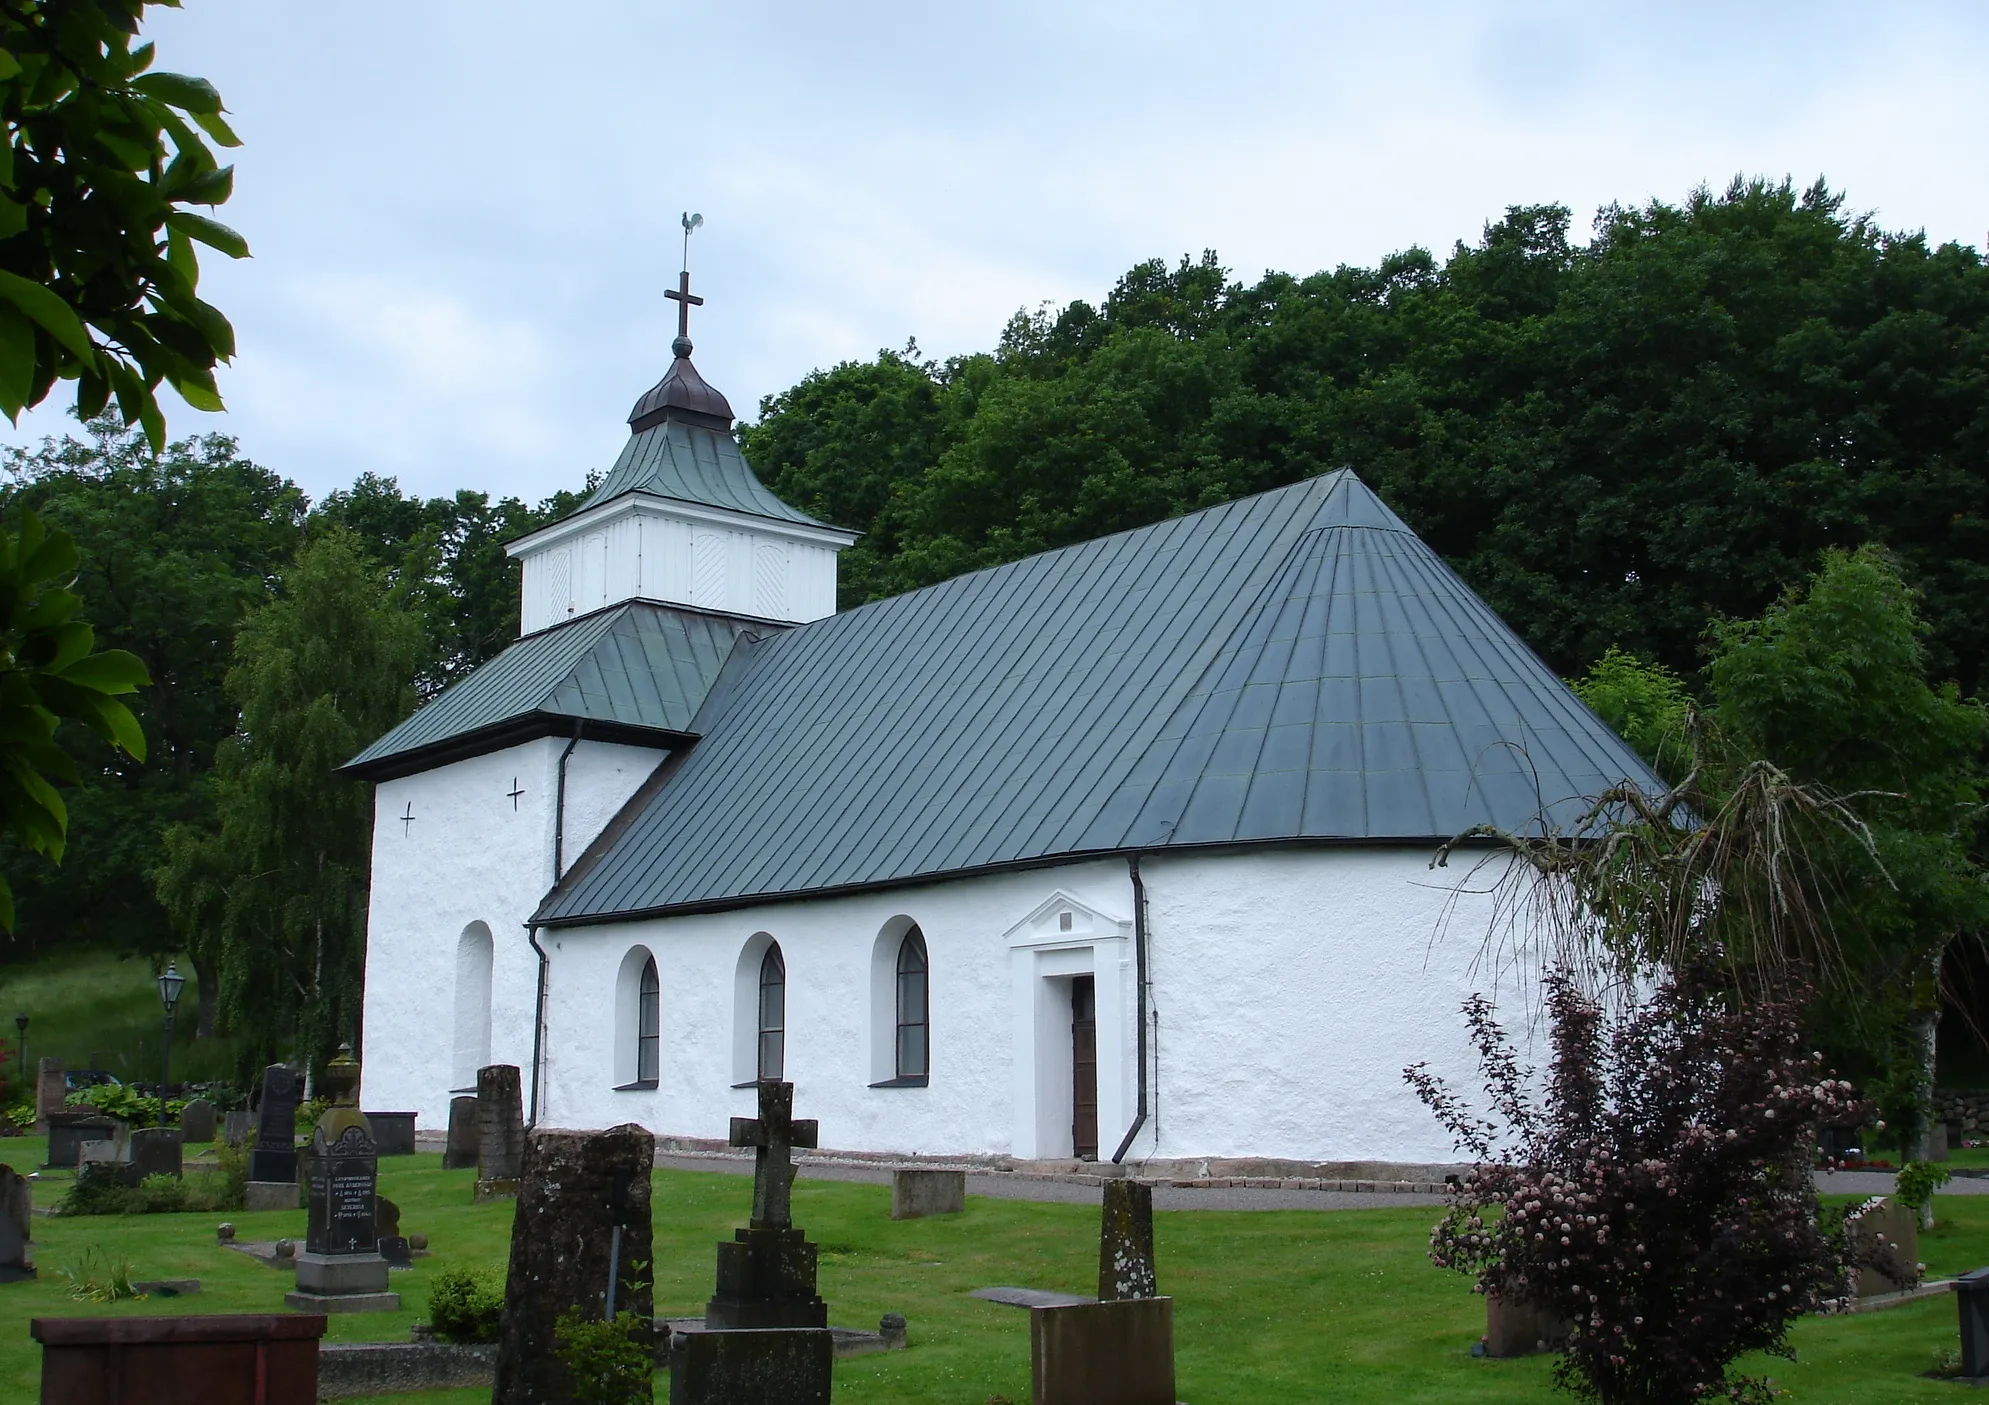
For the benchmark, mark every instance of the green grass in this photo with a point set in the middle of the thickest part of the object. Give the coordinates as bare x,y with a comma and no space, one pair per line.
1296,1306
95,1009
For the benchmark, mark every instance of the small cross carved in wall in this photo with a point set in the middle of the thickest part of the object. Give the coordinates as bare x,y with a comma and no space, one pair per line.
514,792
407,820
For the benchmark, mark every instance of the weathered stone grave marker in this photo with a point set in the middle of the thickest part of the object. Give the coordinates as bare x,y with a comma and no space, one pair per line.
238,1125
582,1221
1886,1239
918,1191
765,1339
459,1152
155,1151
273,1160
51,1092
394,1246
393,1131
1119,1350
17,1259
500,1132
70,1131
197,1121
340,1268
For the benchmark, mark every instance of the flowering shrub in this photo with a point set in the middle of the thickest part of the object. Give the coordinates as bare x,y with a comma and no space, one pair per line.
1659,1198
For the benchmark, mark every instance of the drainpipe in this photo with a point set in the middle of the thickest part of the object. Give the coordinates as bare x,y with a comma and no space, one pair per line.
532,930
538,1022
1139,958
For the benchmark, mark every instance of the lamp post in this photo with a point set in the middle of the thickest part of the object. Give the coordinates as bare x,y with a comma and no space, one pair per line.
169,996
21,1051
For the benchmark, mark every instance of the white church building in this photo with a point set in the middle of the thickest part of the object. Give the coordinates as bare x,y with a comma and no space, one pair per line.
1122,850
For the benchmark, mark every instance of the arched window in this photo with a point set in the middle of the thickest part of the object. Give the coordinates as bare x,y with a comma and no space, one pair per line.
914,1041
773,1013
648,1025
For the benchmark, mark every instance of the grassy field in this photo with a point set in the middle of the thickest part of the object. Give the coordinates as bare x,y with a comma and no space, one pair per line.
1297,1306
98,1010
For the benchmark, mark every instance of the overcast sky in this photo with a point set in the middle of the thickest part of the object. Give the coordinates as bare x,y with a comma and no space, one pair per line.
464,215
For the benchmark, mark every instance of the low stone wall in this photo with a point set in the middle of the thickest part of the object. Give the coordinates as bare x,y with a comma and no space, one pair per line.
1969,1107
387,1368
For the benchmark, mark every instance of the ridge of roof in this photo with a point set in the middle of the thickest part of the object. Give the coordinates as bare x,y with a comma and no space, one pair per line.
1292,666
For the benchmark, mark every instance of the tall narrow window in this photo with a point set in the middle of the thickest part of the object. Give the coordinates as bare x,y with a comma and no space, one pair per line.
773,1013
914,1034
648,1025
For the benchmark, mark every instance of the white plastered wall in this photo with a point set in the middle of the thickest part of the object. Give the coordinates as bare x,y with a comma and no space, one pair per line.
472,853
1293,987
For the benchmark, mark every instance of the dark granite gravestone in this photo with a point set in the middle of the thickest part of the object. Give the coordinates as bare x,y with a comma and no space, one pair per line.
155,1151
224,1359
500,1132
274,1158
582,1221
340,1268
394,1247
766,1275
68,1131
1125,1243
1119,1350
51,1092
1971,1292
459,1152
765,1339
393,1132
197,1121
17,1260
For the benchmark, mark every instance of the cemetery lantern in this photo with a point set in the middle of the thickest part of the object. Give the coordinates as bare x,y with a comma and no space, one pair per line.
169,996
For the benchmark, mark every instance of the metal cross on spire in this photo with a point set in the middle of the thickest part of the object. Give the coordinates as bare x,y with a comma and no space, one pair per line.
681,294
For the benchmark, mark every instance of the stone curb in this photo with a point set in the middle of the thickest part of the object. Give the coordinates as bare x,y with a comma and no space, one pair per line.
386,1368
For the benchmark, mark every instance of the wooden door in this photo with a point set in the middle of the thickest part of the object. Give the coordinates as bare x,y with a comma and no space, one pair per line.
1084,1070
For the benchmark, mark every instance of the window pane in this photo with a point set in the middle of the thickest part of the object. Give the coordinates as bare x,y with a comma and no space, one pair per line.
772,1047
911,998
911,1051
648,1061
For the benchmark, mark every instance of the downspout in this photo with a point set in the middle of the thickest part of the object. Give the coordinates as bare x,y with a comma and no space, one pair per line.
532,928
1139,959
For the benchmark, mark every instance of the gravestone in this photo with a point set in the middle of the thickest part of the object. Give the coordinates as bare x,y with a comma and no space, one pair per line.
459,1152
68,1131
394,1246
1119,1350
51,1091
1885,1241
197,1121
273,1160
1521,1328
766,1275
1125,1243
393,1132
917,1192
765,1339
500,1132
17,1259
155,1151
1971,1292
223,1359
340,1268
582,1222
237,1125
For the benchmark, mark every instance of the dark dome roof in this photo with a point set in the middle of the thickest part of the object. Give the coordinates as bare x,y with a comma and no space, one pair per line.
681,395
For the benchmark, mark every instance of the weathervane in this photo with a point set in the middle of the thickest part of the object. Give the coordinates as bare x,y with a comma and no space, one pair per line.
681,294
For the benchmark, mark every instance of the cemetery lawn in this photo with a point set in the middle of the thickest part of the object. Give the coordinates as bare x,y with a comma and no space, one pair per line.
1272,1306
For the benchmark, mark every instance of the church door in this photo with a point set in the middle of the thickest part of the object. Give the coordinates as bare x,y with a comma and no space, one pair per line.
1084,1069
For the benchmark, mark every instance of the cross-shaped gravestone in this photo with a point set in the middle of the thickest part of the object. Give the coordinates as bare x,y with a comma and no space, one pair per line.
773,1134
682,296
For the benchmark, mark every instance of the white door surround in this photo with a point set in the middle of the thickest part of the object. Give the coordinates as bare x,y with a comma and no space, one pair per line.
1062,938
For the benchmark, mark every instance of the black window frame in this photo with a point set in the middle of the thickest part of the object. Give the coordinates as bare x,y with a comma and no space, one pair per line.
920,978
773,979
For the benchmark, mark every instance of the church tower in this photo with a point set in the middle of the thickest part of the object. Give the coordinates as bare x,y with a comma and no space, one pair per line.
681,519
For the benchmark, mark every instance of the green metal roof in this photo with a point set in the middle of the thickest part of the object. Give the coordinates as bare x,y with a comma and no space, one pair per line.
636,668
1292,666
696,464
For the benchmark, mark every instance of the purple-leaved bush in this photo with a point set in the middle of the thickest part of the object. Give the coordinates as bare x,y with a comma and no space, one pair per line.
1659,1197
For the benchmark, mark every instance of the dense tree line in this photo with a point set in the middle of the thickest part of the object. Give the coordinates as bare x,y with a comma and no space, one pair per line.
1613,442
